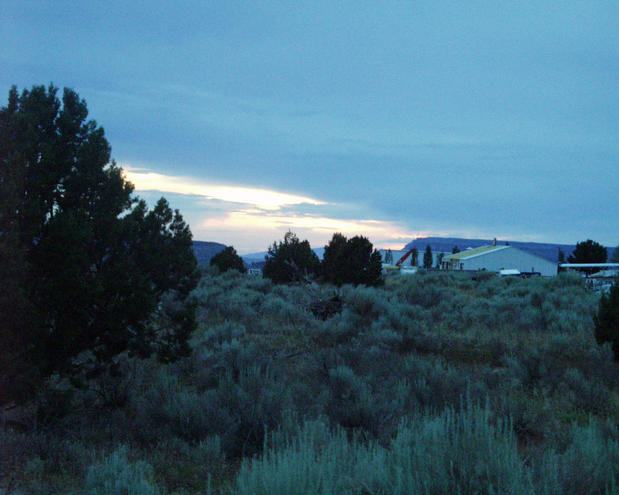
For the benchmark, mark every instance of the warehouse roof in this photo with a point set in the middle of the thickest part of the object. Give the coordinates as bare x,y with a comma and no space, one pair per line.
470,253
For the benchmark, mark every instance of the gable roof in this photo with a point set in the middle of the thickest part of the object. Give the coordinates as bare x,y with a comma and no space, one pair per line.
471,253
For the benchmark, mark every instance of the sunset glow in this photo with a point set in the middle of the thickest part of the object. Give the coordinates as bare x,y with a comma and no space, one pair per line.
251,215
266,199
317,229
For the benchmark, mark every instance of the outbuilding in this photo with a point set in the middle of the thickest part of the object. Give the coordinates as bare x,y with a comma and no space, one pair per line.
497,258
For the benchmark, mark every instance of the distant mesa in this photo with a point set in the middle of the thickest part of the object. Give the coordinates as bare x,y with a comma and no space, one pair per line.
204,251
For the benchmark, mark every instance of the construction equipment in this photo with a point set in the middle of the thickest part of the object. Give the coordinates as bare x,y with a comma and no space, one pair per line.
404,258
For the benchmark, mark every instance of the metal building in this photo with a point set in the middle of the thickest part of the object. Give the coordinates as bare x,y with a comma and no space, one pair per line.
497,258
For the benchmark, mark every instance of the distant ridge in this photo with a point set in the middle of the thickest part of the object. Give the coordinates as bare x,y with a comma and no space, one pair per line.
548,251
204,251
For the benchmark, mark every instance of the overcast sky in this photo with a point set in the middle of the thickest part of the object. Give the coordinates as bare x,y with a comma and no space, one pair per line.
387,119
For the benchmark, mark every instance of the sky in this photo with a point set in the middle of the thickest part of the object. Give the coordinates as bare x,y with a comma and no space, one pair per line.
391,120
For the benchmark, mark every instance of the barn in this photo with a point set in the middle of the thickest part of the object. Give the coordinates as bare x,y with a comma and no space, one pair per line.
497,258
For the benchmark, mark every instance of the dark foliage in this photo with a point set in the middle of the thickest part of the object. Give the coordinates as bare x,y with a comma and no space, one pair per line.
427,257
561,256
607,320
290,260
324,309
439,260
351,261
414,257
228,260
87,264
588,252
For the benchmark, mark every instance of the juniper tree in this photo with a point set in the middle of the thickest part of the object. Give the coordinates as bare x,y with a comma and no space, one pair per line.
228,259
290,260
588,252
87,263
351,261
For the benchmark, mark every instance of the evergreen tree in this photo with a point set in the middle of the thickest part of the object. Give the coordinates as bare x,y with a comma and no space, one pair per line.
351,261
561,256
607,320
228,259
87,264
588,252
427,257
414,257
290,261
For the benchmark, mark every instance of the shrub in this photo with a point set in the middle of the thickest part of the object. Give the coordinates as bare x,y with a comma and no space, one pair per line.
589,465
350,402
607,320
450,453
187,468
252,405
116,475
167,408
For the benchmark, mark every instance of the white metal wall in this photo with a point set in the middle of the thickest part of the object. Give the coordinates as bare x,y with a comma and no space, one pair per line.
511,258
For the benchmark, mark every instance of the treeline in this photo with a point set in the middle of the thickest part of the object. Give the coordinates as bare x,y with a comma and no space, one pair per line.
345,261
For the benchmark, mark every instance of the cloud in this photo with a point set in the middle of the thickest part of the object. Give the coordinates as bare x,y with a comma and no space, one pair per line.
266,199
326,225
252,218
268,226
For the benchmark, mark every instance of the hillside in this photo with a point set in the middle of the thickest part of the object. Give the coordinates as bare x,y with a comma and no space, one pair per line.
204,251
